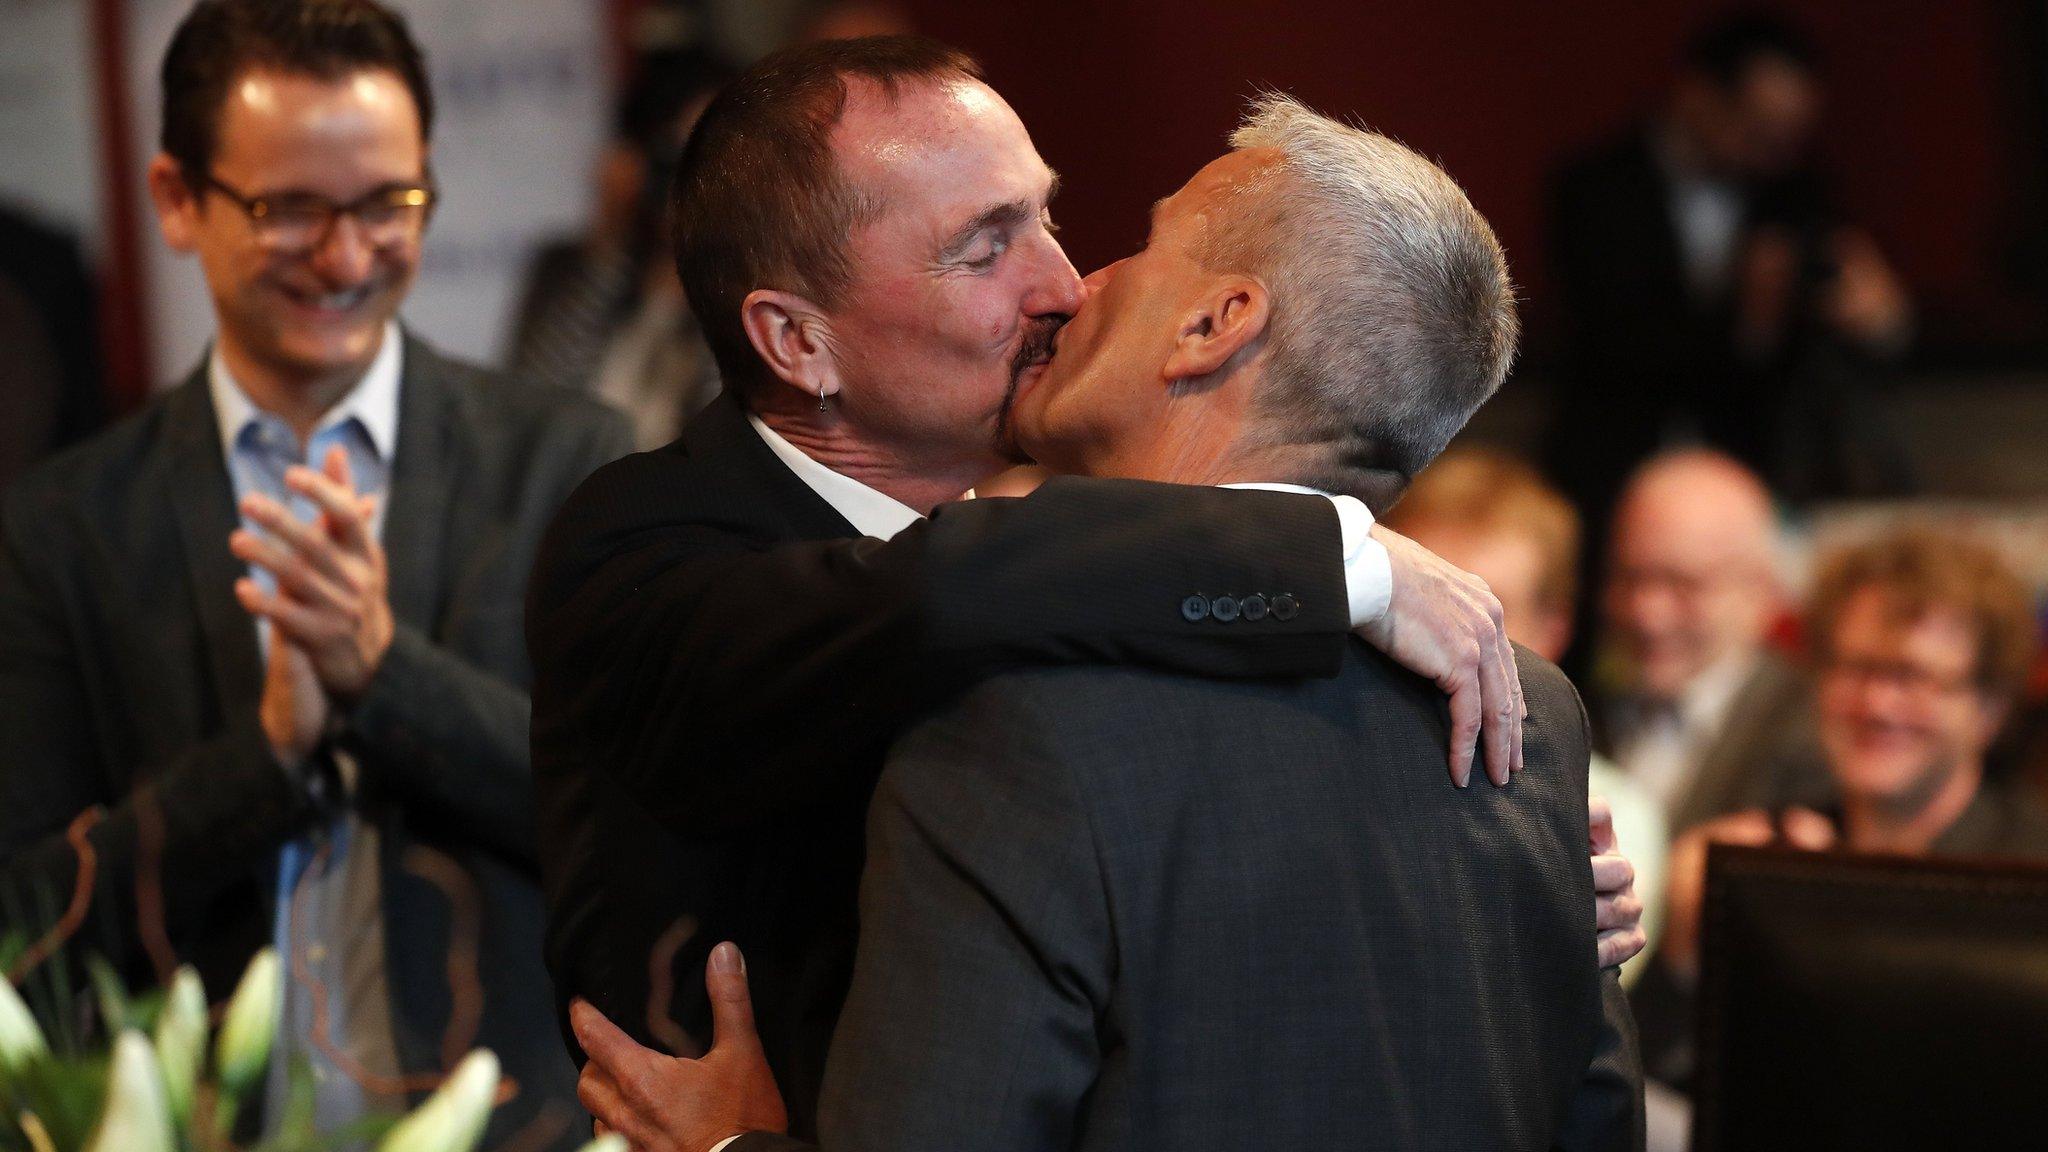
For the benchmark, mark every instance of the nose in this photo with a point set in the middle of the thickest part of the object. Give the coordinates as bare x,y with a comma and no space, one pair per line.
1058,290
344,256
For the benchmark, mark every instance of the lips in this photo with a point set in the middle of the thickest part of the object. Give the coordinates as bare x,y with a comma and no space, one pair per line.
329,304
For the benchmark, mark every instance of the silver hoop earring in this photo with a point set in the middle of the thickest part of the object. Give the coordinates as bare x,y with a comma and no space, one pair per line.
821,399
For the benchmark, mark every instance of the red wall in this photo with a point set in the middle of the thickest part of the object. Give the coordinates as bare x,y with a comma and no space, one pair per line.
1128,97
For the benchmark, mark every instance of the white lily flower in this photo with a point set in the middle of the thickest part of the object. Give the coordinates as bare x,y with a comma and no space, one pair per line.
454,1117
251,1025
20,1039
136,1118
181,1041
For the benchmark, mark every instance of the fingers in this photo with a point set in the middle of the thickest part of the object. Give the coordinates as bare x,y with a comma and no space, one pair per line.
340,507
1600,826
290,531
600,1096
1617,909
1612,873
732,1007
296,572
602,1041
1620,945
1466,710
1502,718
298,622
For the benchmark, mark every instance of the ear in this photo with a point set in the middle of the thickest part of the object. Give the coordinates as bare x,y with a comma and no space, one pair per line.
1230,316
177,205
794,339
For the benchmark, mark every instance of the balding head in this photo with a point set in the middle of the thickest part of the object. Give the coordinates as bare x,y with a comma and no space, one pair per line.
1694,580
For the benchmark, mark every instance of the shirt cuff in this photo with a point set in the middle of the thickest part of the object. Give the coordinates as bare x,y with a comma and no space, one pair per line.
1368,570
720,1146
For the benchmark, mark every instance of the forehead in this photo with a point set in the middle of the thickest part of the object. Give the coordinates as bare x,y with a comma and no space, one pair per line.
1224,187
935,147
1877,617
292,125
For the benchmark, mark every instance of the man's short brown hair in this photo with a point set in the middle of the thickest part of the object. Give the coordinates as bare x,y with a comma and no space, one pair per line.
1919,570
758,200
1482,490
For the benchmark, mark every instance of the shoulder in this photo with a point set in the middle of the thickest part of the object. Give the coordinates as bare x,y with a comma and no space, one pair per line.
105,467
490,398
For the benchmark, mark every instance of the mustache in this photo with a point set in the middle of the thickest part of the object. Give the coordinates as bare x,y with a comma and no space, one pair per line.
1034,348
1037,344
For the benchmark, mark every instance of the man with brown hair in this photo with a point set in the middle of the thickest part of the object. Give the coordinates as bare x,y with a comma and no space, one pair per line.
1921,644
259,642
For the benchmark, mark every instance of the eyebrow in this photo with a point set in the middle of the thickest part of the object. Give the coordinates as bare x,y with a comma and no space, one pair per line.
1008,215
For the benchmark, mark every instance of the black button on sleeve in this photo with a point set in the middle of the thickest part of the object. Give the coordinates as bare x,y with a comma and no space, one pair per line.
1194,609
1285,606
1224,608
1255,607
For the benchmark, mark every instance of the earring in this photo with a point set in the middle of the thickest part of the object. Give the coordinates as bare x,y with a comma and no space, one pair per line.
821,399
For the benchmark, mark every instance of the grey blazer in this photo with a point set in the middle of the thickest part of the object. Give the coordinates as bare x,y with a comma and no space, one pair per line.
129,678
1116,909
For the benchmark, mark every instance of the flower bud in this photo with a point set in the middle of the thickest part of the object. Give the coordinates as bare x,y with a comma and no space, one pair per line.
243,1047
135,1117
181,1041
20,1040
454,1117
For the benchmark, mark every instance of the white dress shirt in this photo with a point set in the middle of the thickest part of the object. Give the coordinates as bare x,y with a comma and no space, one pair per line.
1368,570
1662,748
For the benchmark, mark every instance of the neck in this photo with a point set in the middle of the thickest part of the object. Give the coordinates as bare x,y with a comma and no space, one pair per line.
300,399
1911,824
922,482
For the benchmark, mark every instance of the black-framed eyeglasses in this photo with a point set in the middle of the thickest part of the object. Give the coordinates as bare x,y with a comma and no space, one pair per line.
302,221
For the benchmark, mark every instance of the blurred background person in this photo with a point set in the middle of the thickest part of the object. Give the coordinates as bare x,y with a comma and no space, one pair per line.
1922,643
50,389
1712,292
1693,703
1492,515
604,312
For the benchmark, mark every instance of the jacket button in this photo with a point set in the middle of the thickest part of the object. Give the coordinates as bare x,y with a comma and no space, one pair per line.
1224,608
1255,607
1285,606
1194,609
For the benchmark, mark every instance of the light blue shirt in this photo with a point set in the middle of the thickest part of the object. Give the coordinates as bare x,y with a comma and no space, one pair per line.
258,447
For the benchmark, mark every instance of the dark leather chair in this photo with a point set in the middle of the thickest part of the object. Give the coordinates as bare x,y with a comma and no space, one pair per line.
1871,1003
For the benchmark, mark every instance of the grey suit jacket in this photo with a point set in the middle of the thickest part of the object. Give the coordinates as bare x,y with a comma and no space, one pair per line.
129,678
1116,909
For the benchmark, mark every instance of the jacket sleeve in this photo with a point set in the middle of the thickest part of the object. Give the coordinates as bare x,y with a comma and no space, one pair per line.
200,820
1607,1114
724,678
459,733
986,953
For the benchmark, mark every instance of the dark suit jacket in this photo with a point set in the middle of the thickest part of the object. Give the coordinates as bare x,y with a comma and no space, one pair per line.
721,664
129,678
1116,909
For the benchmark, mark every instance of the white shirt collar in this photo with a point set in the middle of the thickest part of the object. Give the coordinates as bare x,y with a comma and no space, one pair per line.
373,401
1704,704
870,512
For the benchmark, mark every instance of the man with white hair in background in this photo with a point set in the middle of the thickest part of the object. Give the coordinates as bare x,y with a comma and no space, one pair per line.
1706,717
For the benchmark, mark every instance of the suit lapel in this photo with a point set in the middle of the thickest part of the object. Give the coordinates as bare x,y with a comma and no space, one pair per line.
422,480
202,503
723,439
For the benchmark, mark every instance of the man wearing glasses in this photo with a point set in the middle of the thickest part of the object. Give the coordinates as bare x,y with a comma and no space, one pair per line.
262,679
